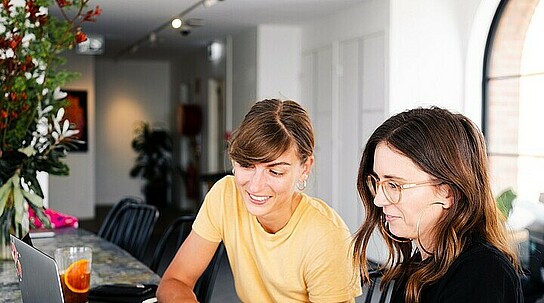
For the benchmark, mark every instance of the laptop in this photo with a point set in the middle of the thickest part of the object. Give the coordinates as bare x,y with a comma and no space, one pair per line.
37,274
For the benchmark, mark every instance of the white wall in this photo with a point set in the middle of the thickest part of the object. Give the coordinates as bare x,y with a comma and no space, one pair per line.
428,49
126,92
244,74
278,62
266,63
370,16
344,72
75,194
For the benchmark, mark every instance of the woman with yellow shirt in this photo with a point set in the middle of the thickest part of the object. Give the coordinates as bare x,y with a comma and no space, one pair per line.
282,245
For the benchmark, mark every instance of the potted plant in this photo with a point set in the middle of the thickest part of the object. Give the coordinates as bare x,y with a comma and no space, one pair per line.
153,163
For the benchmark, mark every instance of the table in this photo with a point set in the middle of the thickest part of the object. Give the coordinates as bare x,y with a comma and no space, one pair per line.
111,264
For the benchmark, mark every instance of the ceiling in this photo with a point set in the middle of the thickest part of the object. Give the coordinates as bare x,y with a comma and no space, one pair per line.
123,22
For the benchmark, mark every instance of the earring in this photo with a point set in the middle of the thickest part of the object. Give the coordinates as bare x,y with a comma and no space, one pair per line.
233,171
417,226
301,185
385,229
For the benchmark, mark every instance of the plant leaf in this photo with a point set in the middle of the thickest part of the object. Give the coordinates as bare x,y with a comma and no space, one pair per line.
33,198
5,191
505,201
18,200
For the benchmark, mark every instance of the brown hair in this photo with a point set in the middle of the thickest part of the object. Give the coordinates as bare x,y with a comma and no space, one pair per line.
449,147
269,129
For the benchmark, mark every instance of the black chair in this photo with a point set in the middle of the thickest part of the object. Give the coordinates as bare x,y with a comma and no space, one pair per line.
109,219
130,227
204,286
167,247
172,238
371,291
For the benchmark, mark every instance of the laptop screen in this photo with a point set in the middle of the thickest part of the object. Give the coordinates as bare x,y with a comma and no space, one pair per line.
37,274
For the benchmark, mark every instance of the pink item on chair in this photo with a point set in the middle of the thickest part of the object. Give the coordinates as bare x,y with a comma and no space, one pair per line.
57,219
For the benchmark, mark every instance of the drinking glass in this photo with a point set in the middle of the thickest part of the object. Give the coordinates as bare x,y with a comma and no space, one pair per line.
74,265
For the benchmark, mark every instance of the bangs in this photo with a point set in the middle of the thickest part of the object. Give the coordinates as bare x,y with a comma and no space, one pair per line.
263,144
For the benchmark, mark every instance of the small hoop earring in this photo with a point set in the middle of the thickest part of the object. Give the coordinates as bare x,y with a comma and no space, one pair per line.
385,229
301,185
233,171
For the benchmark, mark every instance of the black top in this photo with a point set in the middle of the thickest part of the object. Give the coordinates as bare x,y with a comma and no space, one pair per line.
481,274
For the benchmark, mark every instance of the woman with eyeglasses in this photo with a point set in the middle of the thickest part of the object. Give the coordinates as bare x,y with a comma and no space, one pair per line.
423,181
282,245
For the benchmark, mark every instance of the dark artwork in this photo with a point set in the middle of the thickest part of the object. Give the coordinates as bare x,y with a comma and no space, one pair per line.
76,113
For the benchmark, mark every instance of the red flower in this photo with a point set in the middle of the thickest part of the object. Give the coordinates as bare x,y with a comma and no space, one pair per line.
5,4
63,3
15,41
92,14
80,37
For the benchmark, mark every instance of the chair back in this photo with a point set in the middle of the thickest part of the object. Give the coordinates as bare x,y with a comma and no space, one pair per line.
109,221
167,247
204,286
131,227
372,291
172,239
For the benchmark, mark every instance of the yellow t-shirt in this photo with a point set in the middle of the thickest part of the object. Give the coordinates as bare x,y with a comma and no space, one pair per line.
309,260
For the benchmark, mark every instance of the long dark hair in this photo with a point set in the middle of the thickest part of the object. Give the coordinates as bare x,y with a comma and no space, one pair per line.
449,147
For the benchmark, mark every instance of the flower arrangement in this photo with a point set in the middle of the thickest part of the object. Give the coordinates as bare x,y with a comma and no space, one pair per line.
34,136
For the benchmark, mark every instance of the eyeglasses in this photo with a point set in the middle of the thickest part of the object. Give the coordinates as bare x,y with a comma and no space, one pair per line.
391,189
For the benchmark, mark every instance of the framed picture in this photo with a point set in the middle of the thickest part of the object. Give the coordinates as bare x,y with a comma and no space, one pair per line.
76,113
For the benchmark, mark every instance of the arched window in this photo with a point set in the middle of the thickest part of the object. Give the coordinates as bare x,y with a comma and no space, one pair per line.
514,98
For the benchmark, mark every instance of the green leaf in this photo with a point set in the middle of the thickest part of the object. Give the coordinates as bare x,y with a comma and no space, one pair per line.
33,198
39,211
5,190
18,200
505,202
34,184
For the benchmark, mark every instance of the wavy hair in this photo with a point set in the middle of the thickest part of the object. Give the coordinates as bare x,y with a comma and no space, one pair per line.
449,147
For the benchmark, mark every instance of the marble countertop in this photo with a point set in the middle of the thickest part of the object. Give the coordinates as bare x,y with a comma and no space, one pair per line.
110,264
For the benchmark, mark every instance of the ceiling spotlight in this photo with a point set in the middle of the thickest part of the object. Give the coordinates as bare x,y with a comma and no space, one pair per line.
176,23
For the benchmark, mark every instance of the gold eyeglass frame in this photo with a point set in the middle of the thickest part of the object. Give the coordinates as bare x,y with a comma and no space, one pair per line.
371,180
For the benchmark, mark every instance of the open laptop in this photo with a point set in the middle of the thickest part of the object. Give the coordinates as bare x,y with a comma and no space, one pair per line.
37,274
